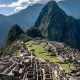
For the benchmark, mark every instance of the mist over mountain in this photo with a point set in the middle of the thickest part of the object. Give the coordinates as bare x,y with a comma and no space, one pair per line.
71,7
25,18
54,24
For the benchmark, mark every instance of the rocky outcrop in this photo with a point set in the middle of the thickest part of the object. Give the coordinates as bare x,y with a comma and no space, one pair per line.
54,24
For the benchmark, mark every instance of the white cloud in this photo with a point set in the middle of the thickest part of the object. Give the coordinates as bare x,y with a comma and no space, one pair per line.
22,4
2,5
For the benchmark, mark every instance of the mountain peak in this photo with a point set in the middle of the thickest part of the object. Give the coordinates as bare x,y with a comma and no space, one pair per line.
54,24
50,13
52,3
14,32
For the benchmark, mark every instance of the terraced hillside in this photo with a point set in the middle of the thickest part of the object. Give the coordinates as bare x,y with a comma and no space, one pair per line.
40,60
40,52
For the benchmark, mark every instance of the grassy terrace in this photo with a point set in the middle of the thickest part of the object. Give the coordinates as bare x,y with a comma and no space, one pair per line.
40,53
66,67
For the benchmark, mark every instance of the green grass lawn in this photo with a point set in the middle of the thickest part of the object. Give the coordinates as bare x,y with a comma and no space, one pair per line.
40,53
66,67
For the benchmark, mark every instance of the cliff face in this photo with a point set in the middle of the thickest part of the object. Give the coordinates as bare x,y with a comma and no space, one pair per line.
14,32
54,24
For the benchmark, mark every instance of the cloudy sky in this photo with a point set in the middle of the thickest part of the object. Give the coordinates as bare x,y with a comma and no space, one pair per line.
8,7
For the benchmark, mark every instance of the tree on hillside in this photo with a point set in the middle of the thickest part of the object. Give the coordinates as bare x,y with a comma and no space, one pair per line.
14,32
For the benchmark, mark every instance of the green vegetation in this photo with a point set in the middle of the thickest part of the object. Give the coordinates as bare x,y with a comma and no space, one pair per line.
11,50
40,53
14,32
67,67
53,24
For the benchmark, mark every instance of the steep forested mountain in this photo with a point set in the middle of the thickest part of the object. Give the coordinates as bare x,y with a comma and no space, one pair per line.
54,24
27,17
14,32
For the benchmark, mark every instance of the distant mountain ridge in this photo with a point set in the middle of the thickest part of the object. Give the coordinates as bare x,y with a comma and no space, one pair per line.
25,18
71,7
54,24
